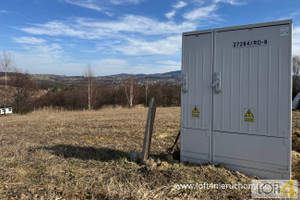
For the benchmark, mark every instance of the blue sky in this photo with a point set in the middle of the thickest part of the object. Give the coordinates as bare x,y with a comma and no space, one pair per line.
121,36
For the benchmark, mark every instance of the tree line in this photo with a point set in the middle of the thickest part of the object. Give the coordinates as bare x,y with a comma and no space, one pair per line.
82,97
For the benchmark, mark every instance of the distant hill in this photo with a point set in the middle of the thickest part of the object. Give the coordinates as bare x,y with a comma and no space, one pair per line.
172,77
167,75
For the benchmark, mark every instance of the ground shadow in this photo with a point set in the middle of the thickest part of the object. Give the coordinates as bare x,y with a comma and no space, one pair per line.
86,153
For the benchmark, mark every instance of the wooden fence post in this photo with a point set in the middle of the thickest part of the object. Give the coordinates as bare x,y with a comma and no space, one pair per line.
149,130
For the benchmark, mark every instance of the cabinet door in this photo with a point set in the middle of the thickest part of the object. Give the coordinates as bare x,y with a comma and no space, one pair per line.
252,113
196,112
196,99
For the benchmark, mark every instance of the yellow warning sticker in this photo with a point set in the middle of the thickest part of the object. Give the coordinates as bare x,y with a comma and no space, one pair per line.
195,112
249,117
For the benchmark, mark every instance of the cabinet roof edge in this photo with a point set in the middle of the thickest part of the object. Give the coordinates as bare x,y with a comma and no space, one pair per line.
257,25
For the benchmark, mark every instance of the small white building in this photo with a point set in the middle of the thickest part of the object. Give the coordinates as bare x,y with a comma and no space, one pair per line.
6,111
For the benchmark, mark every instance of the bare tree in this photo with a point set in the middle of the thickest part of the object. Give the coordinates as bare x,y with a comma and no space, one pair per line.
25,88
91,87
130,90
296,64
6,64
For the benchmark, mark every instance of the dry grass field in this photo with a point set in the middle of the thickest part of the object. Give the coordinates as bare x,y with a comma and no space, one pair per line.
52,154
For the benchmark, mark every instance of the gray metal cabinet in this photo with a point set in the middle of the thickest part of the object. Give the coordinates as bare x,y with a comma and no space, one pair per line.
236,98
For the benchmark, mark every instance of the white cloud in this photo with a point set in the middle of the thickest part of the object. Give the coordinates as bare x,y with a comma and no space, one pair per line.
54,28
45,50
86,28
39,47
106,31
202,13
180,4
85,3
52,49
209,11
29,40
170,14
176,7
101,6
168,46
232,2
134,24
119,2
197,2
